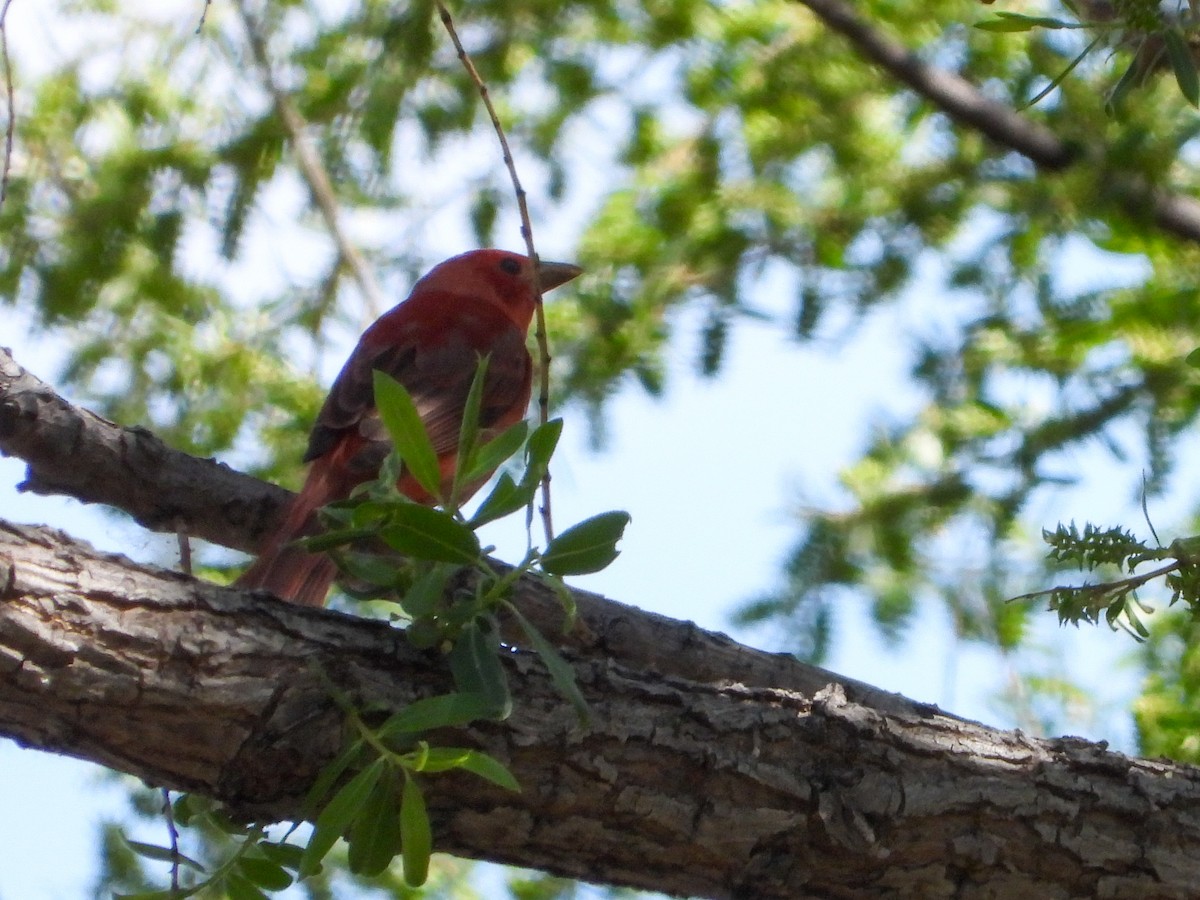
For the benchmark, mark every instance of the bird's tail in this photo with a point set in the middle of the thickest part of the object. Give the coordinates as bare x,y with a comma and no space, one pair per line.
286,570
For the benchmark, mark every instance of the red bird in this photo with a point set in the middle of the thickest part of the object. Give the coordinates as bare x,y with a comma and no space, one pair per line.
476,304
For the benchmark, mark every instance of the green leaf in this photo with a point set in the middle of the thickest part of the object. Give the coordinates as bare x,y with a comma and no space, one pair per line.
427,589
439,759
540,448
1183,65
286,855
491,455
468,432
561,673
426,533
163,854
1139,629
416,836
565,598
239,888
423,634
370,513
493,770
377,571
331,539
1061,76
444,711
475,664
187,806
506,498
335,819
157,895
329,776
586,547
408,433
375,837
264,873
1008,21
1193,358
1127,82
445,759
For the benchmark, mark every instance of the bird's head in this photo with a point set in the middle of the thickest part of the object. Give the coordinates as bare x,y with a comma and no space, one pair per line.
499,277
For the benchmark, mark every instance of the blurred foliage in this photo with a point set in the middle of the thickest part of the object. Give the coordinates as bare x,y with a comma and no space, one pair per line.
1168,712
736,159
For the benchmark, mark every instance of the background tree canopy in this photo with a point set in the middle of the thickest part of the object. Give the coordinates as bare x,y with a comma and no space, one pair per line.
796,163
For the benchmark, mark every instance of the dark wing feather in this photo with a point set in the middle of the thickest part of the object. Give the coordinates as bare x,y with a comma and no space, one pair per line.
435,363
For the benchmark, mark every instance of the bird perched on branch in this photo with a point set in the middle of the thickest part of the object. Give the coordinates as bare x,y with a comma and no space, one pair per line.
474,305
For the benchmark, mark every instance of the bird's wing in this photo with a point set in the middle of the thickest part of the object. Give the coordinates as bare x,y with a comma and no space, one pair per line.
435,361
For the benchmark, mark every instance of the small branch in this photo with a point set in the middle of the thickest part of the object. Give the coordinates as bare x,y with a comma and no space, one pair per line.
313,171
1120,586
966,104
527,233
956,96
173,835
203,16
10,128
185,547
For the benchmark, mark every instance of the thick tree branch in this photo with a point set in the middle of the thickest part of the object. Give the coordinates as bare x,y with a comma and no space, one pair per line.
707,790
1176,214
79,454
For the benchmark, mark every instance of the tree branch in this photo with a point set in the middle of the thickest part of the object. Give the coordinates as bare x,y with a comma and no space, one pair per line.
311,169
76,453
963,102
709,790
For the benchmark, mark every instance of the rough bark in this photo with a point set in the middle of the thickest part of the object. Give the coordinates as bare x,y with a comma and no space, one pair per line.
708,768
74,452
714,790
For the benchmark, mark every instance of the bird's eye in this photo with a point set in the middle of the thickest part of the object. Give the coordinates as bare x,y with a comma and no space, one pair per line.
510,265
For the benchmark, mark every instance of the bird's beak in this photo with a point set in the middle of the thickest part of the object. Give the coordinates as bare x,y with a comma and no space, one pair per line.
552,274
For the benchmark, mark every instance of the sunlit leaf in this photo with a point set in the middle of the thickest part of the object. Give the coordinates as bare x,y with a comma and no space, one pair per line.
587,547
375,836
1183,65
335,819
443,711
431,534
407,431
416,834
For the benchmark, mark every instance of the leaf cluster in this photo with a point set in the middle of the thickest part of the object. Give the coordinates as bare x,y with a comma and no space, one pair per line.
1116,600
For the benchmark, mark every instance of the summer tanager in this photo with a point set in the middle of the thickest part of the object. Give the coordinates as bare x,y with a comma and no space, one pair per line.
474,305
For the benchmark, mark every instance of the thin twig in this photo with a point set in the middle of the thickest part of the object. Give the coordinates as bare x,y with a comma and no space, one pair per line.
312,170
1146,511
10,128
185,547
173,833
203,16
527,233
1121,585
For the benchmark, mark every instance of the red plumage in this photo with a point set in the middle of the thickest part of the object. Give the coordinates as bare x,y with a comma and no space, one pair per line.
480,303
